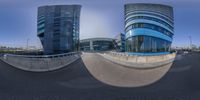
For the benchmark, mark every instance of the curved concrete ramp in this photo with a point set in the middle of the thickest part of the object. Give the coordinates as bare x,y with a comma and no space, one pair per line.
117,75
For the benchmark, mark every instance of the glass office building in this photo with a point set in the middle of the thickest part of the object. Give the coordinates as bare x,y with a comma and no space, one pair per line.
97,44
58,28
120,42
149,28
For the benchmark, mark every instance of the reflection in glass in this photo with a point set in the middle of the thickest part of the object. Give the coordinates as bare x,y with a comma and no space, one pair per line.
147,44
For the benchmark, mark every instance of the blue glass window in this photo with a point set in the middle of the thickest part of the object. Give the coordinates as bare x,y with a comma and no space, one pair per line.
147,44
150,18
150,26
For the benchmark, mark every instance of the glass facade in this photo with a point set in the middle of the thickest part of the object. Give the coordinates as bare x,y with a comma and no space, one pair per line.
152,19
147,44
58,28
85,46
102,45
120,42
148,28
97,44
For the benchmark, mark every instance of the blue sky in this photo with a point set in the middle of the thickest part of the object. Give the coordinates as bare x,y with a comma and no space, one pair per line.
99,18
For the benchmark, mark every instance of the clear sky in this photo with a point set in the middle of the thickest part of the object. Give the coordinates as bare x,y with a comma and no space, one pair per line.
99,18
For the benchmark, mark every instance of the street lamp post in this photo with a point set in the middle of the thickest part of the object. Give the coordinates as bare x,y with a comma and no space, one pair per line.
190,40
27,44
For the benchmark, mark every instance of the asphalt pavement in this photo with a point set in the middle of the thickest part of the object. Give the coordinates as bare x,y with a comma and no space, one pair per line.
74,82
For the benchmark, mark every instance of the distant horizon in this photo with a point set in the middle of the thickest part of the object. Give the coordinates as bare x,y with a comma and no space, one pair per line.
19,20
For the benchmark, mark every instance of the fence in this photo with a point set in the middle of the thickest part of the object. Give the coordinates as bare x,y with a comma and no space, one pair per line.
40,63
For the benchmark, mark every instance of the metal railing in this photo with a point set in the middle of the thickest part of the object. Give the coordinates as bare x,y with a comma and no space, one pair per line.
43,56
40,63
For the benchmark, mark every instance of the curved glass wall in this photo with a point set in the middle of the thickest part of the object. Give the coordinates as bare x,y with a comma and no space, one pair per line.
156,15
96,45
85,46
150,18
147,44
102,45
148,27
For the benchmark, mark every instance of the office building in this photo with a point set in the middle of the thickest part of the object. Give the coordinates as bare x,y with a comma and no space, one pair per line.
97,44
58,28
120,42
149,28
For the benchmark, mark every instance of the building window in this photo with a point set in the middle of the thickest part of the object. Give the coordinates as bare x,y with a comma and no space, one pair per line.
150,26
150,18
147,44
